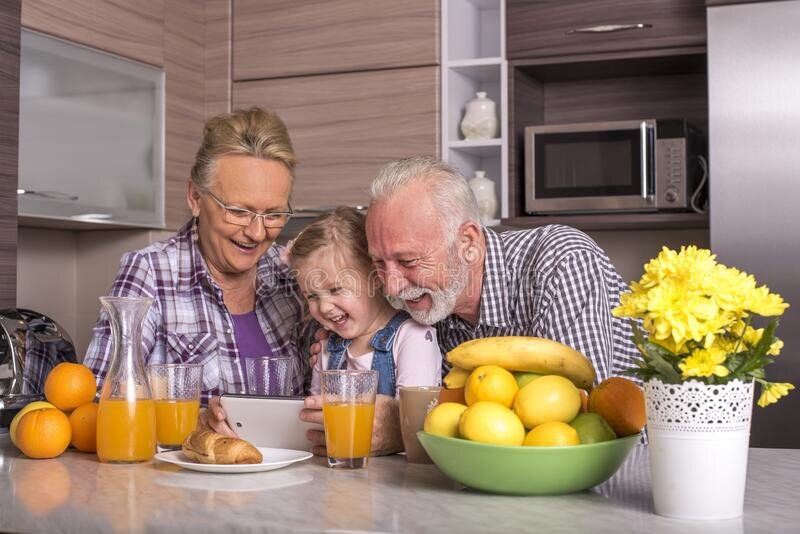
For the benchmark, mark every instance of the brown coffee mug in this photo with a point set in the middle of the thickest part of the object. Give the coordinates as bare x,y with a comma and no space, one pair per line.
415,402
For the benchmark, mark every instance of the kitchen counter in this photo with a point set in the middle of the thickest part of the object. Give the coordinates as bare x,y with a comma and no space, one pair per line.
75,493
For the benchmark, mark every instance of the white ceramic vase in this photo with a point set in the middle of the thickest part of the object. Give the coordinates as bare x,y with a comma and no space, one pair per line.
480,119
698,441
484,191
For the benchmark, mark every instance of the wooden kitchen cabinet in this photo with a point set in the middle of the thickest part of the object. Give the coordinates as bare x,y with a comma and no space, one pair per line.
554,27
279,38
9,128
131,29
345,126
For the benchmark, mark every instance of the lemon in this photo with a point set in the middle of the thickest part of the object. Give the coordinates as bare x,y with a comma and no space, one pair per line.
12,428
552,434
490,422
491,383
548,398
443,420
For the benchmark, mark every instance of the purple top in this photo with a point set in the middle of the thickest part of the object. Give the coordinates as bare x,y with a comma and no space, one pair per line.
250,339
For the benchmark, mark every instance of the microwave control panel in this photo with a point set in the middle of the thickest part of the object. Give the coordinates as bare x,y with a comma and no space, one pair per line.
671,173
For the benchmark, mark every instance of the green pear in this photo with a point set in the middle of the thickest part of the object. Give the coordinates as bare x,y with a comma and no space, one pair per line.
592,428
523,377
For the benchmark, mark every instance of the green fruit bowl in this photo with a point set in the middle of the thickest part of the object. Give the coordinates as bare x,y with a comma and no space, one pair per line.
527,470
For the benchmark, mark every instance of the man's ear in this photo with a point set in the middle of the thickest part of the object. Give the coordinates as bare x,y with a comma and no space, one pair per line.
193,198
469,235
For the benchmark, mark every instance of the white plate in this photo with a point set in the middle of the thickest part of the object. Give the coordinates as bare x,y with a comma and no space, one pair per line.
273,459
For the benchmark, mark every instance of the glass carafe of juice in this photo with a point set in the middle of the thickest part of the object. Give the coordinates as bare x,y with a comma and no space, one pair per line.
126,417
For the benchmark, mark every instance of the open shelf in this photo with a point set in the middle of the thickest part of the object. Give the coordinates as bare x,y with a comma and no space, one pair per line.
615,221
473,29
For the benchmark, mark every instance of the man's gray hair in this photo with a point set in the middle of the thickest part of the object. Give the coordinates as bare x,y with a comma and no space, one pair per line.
450,192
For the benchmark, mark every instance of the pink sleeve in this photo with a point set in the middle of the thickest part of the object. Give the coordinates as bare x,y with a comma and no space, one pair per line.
418,361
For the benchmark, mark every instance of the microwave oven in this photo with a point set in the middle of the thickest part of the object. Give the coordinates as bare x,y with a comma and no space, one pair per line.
635,165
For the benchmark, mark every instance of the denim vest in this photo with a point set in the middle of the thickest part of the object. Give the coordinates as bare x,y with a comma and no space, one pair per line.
382,359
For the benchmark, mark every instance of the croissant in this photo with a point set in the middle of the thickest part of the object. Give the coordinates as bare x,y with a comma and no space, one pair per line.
206,447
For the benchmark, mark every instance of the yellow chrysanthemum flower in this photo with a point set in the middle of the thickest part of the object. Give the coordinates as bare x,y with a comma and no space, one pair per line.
775,348
772,391
704,362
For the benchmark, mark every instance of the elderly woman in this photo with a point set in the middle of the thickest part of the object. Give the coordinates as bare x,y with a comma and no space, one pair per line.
220,292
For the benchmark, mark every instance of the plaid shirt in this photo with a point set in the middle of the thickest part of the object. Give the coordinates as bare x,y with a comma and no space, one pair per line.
188,321
552,282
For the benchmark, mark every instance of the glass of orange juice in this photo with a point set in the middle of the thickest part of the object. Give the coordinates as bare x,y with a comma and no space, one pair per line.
176,392
348,407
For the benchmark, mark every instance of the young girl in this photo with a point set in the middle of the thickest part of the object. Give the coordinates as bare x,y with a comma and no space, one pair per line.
336,277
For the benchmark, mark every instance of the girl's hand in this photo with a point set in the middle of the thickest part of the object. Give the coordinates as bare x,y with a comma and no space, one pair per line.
213,418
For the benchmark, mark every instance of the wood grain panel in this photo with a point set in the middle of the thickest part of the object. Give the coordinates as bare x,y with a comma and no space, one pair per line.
217,57
345,126
131,29
659,97
185,113
539,28
273,38
526,108
9,133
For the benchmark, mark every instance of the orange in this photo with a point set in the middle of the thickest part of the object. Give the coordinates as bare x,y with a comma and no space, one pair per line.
12,428
68,385
552,434
490,422
491,383
83,420
549,398
621,403
43,433
41,499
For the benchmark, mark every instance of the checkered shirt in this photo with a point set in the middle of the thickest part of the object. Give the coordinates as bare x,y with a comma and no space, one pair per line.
552,282
188,321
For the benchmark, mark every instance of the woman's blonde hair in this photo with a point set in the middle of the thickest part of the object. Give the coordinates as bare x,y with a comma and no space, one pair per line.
343,230
256,132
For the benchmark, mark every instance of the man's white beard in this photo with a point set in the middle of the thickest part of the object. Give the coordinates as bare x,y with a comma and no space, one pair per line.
443,302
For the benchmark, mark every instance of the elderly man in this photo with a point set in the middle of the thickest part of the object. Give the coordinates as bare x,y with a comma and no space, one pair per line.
438,263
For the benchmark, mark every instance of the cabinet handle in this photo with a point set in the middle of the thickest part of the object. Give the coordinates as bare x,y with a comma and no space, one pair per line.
55,195
303,213
609,28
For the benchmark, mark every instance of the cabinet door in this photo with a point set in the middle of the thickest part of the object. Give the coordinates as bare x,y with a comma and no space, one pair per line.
345,126
274,38
131,29
554,27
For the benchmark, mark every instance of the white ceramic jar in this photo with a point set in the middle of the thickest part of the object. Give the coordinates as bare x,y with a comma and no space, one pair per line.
484,191
480,119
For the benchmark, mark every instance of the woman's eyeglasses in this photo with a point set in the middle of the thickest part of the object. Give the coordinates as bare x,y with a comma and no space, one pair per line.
245,217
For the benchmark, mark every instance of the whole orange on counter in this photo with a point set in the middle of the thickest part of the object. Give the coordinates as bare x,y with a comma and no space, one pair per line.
83,421
620,402
43,433
69,385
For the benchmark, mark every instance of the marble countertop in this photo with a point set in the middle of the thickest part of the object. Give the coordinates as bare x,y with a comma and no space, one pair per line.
75,493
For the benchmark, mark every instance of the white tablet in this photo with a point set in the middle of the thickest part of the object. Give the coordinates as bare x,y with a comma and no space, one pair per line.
268,421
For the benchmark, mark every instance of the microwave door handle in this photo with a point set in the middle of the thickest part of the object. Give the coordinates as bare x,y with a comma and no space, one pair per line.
645,163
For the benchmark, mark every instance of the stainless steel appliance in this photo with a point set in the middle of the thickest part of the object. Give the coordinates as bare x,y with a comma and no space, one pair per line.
753,83
24,335
634,165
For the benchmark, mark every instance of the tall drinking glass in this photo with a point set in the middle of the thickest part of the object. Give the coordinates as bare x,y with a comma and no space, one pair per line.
348,408
269,375
176,391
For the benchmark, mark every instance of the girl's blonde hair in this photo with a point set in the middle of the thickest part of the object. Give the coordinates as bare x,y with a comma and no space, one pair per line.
343,230
256,132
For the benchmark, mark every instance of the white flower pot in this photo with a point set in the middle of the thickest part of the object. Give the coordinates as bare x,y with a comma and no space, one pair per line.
698,440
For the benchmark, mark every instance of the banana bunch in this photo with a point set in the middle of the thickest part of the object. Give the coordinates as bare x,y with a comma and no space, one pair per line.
520,353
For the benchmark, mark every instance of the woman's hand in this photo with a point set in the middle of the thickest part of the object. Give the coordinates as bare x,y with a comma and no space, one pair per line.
386,437
213,418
